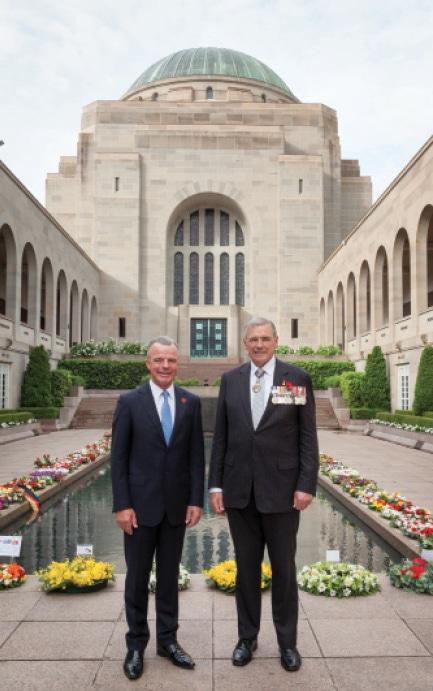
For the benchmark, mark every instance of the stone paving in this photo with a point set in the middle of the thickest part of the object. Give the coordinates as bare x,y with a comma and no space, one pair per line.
76,642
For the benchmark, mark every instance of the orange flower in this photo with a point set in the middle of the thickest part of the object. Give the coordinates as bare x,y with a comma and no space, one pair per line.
16,571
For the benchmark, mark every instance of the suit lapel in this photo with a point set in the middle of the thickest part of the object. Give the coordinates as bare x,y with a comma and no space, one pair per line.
280,369
244,391
149,409
181,406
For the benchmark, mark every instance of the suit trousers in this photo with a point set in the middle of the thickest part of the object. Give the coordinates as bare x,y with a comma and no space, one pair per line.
165,541
250,531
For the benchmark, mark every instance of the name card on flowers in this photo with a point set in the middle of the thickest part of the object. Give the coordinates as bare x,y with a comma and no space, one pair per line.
10,545
332,555
427,554
84,550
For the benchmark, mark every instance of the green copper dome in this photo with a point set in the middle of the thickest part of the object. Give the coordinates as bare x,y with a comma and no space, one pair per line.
209,62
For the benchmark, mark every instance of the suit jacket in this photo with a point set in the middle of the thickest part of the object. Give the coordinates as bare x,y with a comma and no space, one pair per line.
147,475
277,458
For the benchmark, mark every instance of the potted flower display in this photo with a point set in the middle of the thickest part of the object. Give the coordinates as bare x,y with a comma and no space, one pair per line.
78,575
223,576
11,575
183,580
414,575
337,579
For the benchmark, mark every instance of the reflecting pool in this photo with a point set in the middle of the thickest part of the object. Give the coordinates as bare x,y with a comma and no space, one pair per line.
83,516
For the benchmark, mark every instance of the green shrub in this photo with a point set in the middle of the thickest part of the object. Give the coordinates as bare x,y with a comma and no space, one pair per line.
328,350
36,386
428,413
423,399
107,374
15,416
405,419
305,350
284,350
363,413
332,382
187,382
351,385
217,382
321,370
77,380
376,385
44,413
61,383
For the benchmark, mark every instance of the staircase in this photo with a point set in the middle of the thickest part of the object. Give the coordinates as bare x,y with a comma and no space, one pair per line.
325,416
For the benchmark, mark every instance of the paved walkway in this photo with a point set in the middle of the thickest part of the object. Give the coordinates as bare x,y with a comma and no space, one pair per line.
77,642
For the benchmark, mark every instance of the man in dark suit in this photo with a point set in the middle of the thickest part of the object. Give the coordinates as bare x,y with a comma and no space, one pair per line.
157,464
263,473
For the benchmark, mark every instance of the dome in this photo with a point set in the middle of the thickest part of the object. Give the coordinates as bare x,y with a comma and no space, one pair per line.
220,62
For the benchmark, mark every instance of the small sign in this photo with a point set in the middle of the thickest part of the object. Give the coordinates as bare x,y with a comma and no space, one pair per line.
10,545
332,555
427,554
84,550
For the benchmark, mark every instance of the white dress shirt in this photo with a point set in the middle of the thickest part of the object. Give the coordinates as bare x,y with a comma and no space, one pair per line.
267,381
159,399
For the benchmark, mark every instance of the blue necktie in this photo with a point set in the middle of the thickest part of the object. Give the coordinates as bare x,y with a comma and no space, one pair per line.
166,421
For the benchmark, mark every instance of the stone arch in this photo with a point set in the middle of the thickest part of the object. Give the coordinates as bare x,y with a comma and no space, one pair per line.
322,321
74,314
202,229
93,319
29,288
352,326
402,291
340,319
381,288
8,268
424,259
61,305
85,317
364,298
46,307
330,332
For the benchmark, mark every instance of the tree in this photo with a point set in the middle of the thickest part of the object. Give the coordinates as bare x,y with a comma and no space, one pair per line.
424,383
36,386
376,385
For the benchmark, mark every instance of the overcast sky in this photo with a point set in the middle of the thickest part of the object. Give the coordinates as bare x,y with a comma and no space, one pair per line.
372,61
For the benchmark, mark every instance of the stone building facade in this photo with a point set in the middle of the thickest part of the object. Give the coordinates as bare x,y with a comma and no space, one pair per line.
206,194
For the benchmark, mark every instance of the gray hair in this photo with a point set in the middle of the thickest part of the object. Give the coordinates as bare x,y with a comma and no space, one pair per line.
259,321
162,340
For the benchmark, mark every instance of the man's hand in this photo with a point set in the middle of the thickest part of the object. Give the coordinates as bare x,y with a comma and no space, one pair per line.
126,520
193,515
302,500
217,503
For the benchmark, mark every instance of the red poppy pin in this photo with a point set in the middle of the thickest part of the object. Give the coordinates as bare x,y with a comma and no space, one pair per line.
184,400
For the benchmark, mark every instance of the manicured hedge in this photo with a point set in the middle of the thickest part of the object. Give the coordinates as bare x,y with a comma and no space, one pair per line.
363,413
15,416
61,383
40,413
404,419
376,391
352,390
423,399
107,374
36,386
321,370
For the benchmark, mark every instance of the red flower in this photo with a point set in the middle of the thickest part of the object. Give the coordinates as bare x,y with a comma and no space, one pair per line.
417,571
184,400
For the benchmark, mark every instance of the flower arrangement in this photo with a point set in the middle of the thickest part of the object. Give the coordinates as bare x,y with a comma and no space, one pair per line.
183,580
414,575
11,575
403,425
413,521
223,576
337,579
80,574
16,423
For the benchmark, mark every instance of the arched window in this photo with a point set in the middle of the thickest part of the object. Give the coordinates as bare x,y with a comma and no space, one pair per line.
381,298
178,279
8,268
263,98
85,317
155,96
330,333
322,321
224,229
224,279
74,322
208,279
402,275
193,279
209,93
351,307
364,299
240,242
47,297
340,317
240,279
430,265
178,238
28,286
209,217
193,229
93,319
61,306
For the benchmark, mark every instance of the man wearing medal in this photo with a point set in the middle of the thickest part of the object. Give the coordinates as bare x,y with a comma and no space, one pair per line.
263,473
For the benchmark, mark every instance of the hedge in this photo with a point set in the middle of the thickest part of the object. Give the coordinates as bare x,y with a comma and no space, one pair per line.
423,399
376,391
15,416
61,383
36,386
351,385
321,370
406,419
107,374
363,413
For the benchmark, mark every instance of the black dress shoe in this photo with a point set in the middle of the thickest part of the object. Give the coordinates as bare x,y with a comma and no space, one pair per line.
176,654
133,665
290,659
243,652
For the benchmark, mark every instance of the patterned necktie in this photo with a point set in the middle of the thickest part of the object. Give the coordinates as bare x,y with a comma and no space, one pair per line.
166,421
258,397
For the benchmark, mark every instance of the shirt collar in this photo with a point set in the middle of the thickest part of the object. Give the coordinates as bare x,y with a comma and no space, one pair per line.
157,391
268,368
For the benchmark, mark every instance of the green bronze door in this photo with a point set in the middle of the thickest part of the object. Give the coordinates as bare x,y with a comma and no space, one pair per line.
208,338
